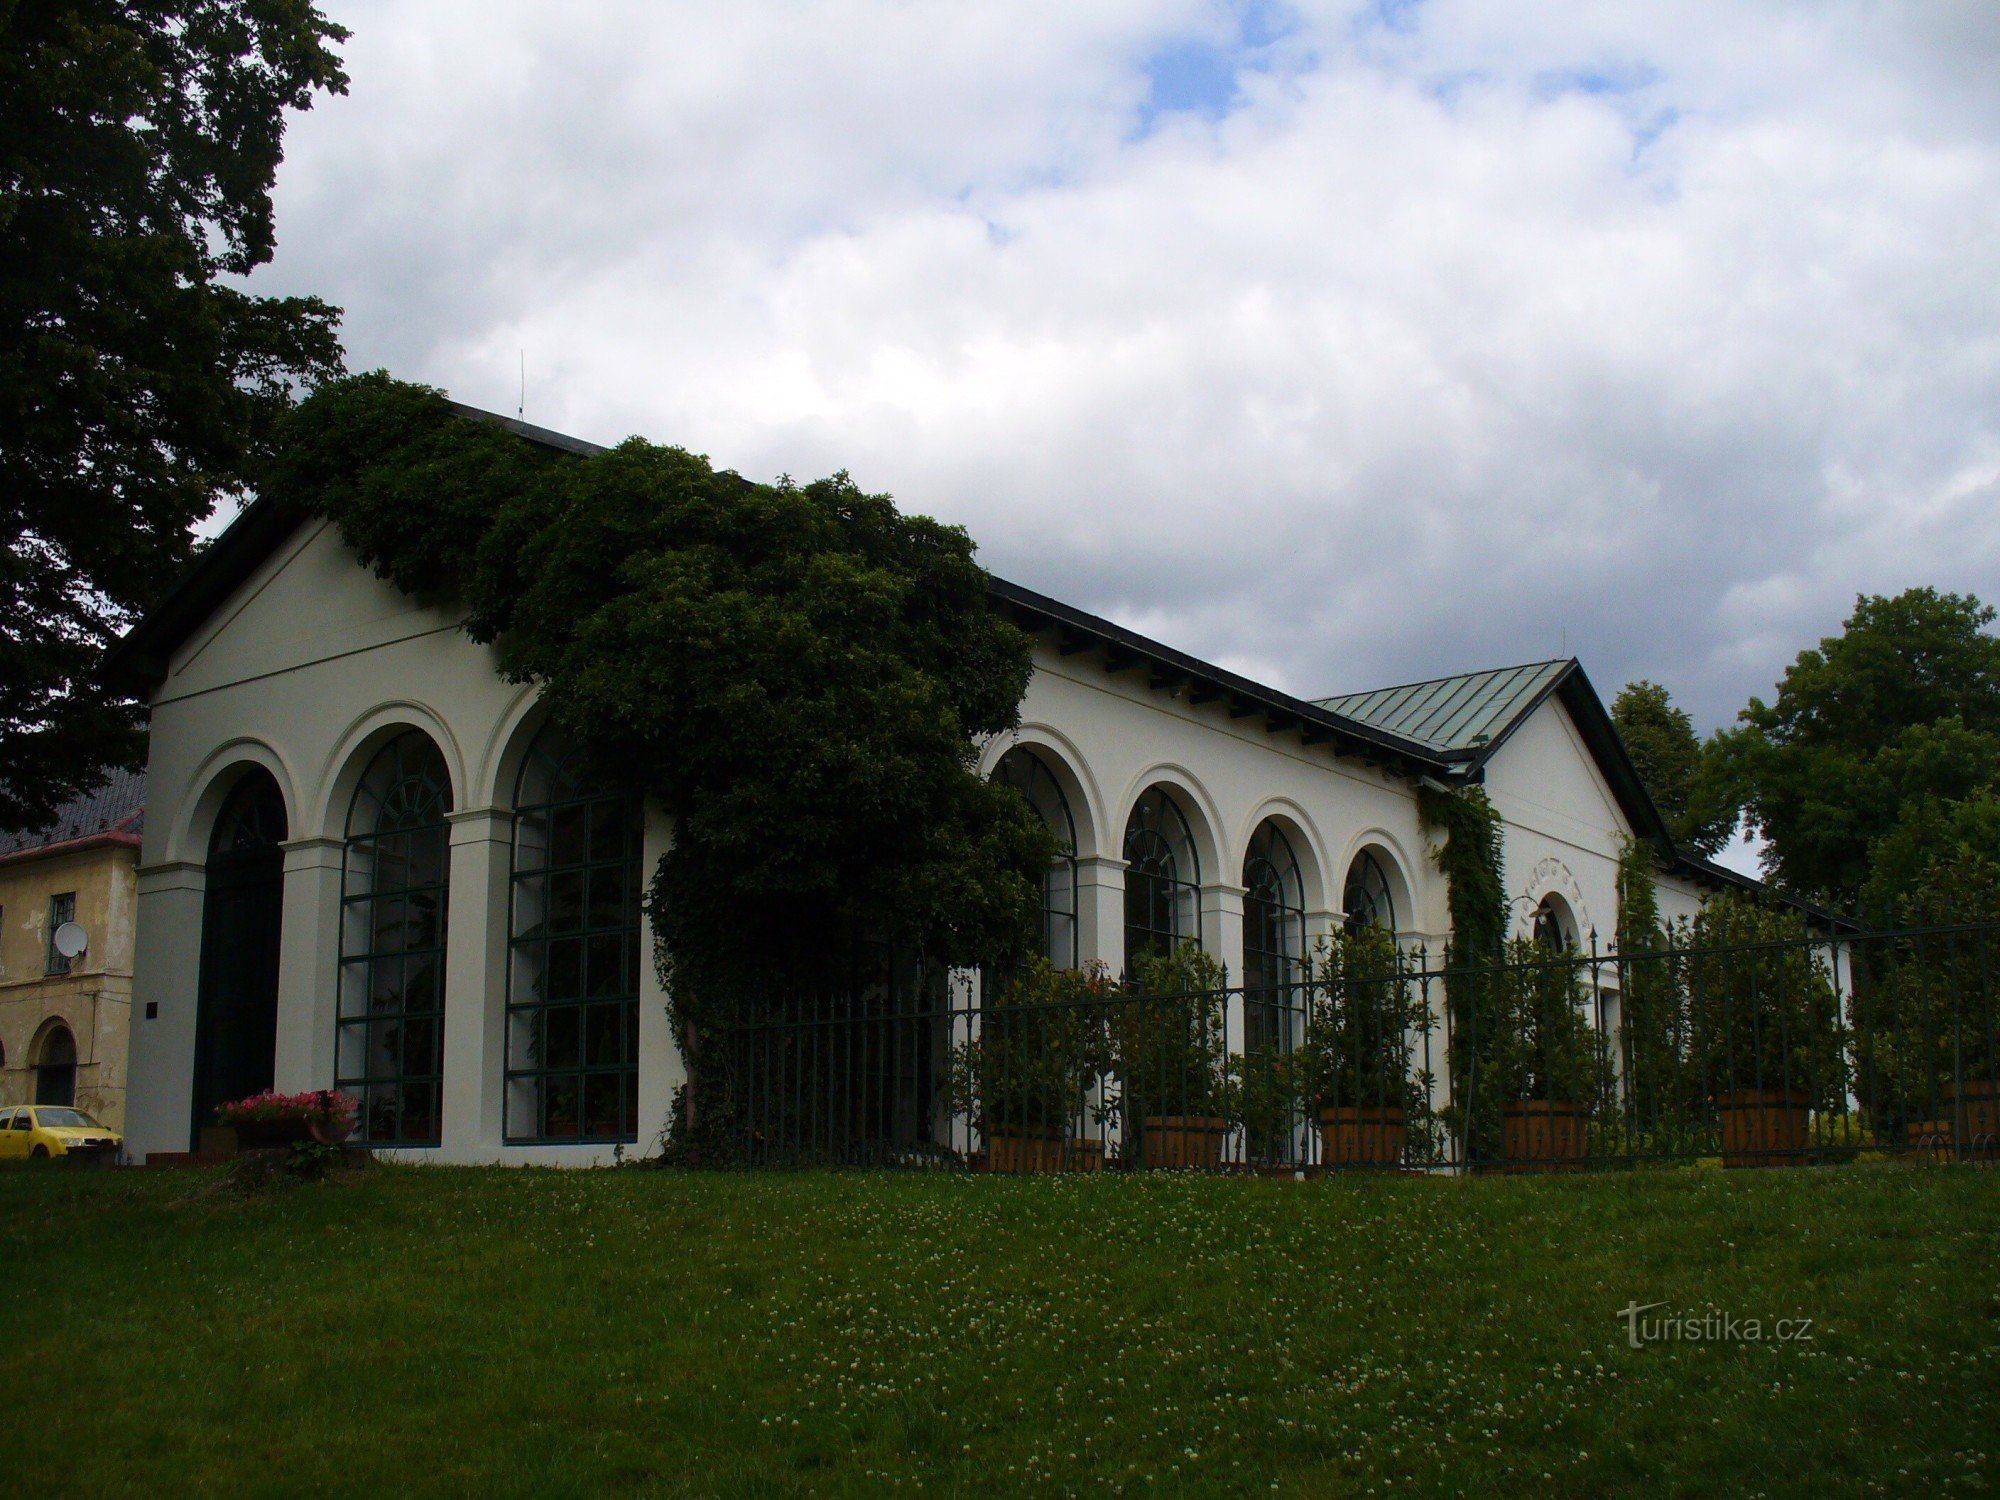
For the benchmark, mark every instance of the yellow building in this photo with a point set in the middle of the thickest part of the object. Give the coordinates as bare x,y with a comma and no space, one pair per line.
65,1021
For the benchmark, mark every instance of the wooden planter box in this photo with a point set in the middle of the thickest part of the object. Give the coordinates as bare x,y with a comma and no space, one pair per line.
1764,1127
1542,1135
1361,1135
1024,1153
1179,1141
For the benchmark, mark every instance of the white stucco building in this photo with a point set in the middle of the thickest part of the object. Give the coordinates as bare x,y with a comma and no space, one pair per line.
357,843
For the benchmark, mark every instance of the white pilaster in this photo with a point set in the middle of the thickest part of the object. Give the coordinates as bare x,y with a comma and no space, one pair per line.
475,982
1100,912
166,973
308,965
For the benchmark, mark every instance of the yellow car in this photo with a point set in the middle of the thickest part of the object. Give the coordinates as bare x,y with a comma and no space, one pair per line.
53,1130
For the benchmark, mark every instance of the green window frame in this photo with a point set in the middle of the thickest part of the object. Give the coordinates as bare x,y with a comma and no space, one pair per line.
1162,878
1274,947
1027,773
573,954
1367,897
395,898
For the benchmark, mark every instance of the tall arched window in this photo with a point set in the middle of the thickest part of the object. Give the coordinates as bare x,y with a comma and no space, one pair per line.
1029,775
1162,878
573,959
1274,937
1368,898
55,1069
390,1046
242,913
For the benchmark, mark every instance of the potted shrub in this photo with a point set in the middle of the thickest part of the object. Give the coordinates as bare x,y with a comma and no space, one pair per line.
1268,1089
1763,1026
1024,1079
271,1120
1926,1012
1553,1063
1364,1020
1170,1051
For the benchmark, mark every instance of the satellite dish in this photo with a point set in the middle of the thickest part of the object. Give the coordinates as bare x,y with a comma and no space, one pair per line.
71,939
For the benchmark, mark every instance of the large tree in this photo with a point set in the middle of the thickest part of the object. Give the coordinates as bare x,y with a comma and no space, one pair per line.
1667,753
1898,713
138,145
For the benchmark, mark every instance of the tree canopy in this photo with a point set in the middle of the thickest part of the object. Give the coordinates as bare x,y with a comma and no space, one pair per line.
1667,753
800,675
138,146
1896,718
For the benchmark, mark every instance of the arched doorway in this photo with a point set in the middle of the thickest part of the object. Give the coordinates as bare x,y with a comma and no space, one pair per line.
55,1069
236,1027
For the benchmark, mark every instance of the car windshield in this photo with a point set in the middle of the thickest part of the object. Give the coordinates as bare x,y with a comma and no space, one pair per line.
58,1117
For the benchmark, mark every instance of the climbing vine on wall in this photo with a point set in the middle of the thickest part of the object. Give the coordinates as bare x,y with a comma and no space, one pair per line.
1470,860
799,674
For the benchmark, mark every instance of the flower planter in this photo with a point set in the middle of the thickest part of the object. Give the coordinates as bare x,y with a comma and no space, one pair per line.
1178,1141
1764,1127
1366,1135
1542,1135
271,1135
1022,1153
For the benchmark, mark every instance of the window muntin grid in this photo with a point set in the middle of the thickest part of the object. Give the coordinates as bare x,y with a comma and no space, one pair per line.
1030,775
1367,899
572,1063
389,1044
1274,928
1162,878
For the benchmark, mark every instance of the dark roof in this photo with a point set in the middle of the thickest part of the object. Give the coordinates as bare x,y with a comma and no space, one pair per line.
116,809
1463,713
1202,682
1432,728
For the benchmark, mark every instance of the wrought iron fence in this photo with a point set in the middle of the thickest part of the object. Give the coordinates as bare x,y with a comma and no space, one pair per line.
1757,1053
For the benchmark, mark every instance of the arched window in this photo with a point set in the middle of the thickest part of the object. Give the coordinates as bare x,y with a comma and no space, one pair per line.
1274,927
242,915
55,1070
390,1045
1162,878
252,816
1368,898
573,958
1554,929
1028,774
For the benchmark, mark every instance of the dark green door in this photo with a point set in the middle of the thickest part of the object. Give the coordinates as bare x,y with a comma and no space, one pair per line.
236,1029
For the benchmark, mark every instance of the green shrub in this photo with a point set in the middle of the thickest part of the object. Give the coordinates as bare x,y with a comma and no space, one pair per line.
1169,1040
1762,1013
1041,1048
1366,1016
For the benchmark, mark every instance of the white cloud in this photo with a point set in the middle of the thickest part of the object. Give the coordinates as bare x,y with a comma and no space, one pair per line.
1655,332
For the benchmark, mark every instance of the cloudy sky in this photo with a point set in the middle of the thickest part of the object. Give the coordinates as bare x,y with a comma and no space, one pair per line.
1339,343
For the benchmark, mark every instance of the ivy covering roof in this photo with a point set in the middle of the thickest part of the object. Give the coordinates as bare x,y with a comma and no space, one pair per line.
1468,713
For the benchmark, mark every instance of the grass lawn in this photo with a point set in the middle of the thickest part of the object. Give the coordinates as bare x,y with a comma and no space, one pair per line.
458,1331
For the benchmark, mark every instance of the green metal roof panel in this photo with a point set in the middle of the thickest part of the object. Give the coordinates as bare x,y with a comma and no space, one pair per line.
1461,713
